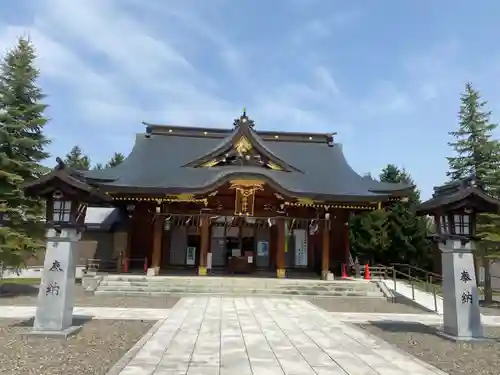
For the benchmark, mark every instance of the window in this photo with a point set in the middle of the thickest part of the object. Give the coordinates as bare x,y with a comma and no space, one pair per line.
462,224
61,211
445,224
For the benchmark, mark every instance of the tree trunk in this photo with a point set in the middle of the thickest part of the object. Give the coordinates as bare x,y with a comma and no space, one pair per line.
488,292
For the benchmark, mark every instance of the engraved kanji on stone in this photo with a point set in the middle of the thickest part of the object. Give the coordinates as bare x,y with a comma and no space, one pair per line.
52,289
56,266
465,277
466,297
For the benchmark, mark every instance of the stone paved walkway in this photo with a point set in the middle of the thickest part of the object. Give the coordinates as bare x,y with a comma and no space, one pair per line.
242,336
117,313
433,319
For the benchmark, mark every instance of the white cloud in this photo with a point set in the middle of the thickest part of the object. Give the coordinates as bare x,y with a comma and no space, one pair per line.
116,69
325,80
118,62
386,98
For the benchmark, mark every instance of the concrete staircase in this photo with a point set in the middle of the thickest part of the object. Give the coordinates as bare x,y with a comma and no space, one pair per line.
233,286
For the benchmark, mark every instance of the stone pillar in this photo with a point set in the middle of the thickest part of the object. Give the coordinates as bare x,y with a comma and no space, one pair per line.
325,252
54,312
280,248
461,315
204,245
157,244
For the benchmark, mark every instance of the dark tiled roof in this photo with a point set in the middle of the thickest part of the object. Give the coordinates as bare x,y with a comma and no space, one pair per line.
466,192
157,165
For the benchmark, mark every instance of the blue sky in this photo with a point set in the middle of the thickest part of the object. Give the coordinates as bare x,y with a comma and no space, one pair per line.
385,75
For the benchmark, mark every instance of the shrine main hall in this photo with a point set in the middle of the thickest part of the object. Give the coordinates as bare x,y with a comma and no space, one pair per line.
229,200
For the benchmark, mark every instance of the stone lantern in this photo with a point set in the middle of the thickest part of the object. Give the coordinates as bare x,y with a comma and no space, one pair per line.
66,194
454,207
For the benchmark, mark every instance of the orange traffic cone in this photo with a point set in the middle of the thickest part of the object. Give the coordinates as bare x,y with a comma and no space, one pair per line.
367,272
344,271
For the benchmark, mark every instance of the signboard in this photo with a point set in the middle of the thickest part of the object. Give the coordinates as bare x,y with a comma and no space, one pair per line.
300,247
190,256
262,249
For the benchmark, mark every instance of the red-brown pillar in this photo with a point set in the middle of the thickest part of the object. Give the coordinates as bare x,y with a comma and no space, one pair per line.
204,245
311,239
165,259
157,242
128,248
280,248
325,254
347,244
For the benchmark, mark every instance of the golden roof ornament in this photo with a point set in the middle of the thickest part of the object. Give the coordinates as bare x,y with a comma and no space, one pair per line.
243,120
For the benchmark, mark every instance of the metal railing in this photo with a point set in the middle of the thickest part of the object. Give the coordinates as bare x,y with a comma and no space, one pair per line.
416,277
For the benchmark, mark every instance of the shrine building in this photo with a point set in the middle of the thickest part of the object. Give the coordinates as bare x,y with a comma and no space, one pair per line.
235,199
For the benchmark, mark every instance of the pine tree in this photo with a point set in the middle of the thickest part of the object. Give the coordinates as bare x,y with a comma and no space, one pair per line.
76,159
477,153
22,149
391,173
115,160
407,232
368,236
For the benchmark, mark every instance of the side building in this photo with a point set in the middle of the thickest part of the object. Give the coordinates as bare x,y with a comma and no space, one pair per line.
233,199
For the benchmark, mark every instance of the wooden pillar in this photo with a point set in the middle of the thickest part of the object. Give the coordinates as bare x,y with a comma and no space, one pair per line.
157,244
347,243
204,245
325,253
165,248
272,246
128,248
311,243
280,248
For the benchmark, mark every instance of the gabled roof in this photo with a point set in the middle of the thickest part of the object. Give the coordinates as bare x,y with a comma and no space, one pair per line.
168,160
465,193
63,176
242,141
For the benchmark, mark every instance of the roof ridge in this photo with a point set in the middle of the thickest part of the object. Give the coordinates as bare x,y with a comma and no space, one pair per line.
213,132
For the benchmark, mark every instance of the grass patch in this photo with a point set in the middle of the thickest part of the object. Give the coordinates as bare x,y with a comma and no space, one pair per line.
21,281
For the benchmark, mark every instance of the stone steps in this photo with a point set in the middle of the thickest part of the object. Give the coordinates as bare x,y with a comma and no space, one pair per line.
319,287
167,290
141,285
263,293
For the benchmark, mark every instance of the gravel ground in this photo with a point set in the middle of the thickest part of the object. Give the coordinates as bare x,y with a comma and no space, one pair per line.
366,305
480,358
27,296
93,350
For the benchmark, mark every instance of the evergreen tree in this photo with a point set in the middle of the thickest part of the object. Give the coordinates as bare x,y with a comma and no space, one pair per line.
76,159
22,149
477,153
115,160
368,236
407,232
391,173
